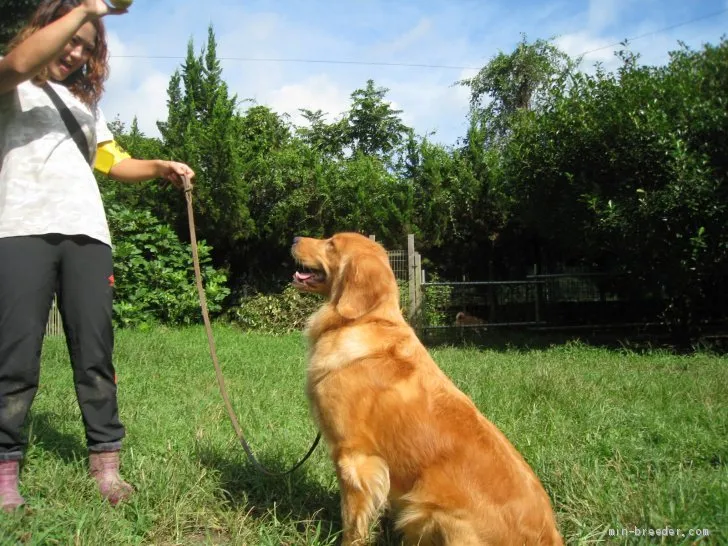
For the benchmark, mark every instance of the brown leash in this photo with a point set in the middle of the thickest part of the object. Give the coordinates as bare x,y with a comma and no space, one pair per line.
211,341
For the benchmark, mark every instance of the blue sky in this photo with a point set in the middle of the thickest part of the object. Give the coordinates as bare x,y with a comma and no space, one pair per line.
459,35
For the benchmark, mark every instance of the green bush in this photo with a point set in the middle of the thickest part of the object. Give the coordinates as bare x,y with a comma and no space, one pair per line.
436,300
276,313
154,274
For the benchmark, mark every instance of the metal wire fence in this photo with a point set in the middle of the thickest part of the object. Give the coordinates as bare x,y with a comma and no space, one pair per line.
539,300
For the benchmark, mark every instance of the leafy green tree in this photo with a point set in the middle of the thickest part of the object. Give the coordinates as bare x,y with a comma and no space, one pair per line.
374,128
14,14
346,177
296,189
459,207
365,196
329,139
431,173
627,171
516,81
272,167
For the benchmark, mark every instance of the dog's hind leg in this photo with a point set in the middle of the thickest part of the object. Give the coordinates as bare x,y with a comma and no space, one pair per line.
364,485
423,522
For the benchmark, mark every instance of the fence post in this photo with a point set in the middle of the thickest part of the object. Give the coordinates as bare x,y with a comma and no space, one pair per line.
412,278
491,277
539,295
418,283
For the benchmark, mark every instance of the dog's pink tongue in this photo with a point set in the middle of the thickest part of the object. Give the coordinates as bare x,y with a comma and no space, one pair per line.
303,276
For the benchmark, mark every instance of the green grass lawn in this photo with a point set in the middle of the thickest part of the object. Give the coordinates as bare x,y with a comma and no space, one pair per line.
620,440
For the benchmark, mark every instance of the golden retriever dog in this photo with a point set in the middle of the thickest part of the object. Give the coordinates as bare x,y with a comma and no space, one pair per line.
400,433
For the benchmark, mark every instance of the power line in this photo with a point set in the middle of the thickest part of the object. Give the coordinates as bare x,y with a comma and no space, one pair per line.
416,65
320,61
660,31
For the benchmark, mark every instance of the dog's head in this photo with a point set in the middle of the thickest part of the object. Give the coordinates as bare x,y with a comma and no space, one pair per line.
352,271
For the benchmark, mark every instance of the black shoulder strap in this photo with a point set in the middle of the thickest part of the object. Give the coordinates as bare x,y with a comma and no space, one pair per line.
71,123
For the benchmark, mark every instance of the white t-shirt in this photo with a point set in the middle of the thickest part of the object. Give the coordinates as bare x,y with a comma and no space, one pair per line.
46,186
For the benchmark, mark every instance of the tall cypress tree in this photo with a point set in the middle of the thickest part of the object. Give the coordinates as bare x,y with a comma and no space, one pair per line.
202,129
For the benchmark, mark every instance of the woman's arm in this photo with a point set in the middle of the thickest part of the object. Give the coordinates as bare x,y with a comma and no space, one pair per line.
41,47
139,170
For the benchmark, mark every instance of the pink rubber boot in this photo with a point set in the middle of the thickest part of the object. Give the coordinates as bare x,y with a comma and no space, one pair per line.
104,468
10,498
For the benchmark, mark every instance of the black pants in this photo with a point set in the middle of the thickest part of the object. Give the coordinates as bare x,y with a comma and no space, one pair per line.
80,270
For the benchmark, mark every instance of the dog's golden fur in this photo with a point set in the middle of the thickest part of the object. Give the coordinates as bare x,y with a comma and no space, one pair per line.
400,433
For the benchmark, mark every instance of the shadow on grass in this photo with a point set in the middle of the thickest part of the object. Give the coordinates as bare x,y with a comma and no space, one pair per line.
45,436
299,497
639,339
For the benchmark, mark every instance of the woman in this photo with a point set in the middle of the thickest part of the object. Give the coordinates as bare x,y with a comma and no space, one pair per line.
54,236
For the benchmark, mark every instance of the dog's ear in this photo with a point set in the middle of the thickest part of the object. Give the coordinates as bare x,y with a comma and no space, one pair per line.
362,286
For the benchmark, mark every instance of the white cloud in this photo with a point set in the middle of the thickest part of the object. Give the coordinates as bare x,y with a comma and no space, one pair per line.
595,48
433,104
134,89
316,92
424,95
410,38
147,101
603,13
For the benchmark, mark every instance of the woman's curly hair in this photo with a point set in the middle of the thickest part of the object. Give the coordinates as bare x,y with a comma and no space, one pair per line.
87,83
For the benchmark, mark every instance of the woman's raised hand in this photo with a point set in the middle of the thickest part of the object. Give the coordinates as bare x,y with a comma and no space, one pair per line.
99,8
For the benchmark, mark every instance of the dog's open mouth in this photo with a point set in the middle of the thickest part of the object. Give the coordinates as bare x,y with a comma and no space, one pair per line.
309,278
